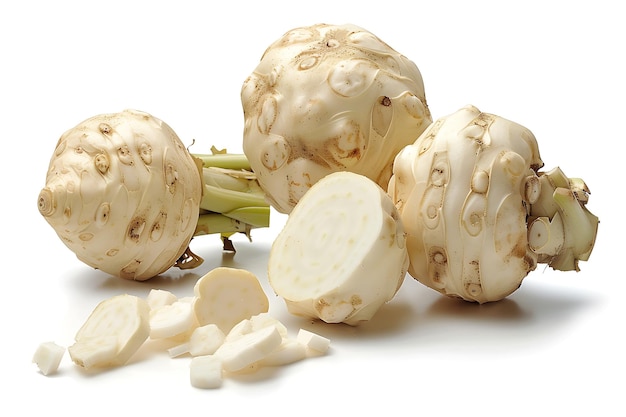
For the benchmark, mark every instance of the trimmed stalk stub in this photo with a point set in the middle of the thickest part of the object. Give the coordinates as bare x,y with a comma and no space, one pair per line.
328,98
478,213
572,230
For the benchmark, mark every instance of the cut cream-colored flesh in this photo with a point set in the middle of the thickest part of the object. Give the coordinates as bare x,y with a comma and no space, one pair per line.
249,348
313,341
171,319
205,340
48,357
113,332
206,372
225,296
341,254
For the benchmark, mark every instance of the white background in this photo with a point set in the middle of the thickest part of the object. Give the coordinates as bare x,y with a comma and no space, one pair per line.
554,346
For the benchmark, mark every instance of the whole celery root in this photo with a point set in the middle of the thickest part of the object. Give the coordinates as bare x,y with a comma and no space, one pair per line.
329,98
125,195
478,213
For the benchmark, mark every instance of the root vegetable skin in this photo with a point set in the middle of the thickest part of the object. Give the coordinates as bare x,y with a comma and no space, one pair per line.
478,214
341,254
123,194
328,98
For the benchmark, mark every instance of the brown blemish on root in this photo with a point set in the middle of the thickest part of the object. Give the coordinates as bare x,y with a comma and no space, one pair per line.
135,228
130,270
105,129
355,301
321,305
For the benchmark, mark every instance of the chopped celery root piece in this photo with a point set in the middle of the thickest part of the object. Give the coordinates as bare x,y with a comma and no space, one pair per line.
246,350
158,298
225,296
205,340
171,320
179,350
289,351
48,357
206,372
113,332
313,341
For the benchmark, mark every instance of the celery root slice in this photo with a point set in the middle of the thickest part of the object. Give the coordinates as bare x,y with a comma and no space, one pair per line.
113,332
225,296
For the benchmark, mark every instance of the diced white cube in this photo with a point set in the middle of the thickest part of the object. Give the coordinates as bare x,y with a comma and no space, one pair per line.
313,341
206,372
48,357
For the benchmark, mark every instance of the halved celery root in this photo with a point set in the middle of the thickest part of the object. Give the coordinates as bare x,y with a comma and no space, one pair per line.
341,254
113,332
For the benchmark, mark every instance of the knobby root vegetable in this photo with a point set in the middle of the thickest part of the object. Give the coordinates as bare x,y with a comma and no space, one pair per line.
341,254
328,98
125,195
225,296
478,213
113,332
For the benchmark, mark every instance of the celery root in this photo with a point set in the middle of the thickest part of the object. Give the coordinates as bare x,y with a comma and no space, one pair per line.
327,98
478,213
125,195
